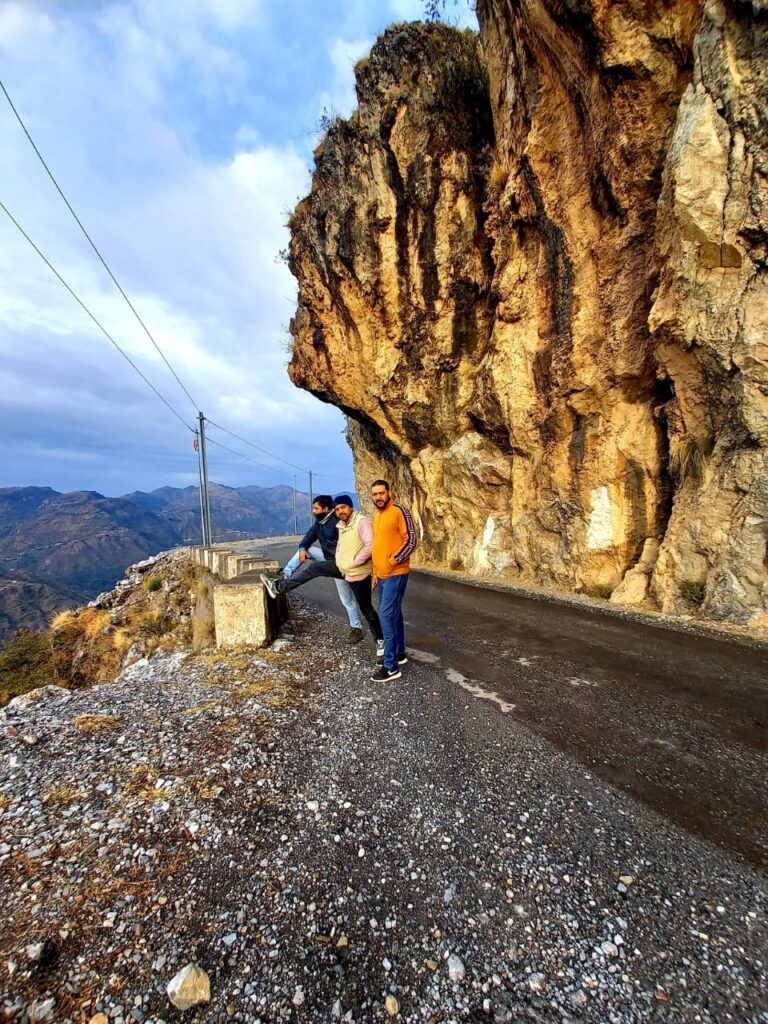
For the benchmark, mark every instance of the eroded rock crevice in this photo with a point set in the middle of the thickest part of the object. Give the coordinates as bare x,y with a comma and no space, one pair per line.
532,271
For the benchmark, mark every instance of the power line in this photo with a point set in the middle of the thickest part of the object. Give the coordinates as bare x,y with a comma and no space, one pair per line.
245,440
247,458
135,312
98,323
95,249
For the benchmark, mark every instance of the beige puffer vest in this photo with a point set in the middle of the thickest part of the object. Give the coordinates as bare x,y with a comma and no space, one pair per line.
350,544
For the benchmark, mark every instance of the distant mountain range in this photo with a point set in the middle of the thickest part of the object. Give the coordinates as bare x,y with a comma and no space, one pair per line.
59,550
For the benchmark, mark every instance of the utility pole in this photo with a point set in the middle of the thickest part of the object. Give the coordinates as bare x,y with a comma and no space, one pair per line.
295,521
311,498
206,496
203,524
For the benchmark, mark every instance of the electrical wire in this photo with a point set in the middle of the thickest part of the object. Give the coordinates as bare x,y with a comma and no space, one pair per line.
245,440
95,248
98,323
274,469
135,312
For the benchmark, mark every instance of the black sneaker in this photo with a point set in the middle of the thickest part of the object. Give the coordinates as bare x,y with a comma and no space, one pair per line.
271,586
383,675
403,659
355,635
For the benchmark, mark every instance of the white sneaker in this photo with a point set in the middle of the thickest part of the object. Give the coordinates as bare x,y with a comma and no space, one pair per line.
379,650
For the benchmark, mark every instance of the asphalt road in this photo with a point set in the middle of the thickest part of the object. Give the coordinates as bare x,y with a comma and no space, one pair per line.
677,720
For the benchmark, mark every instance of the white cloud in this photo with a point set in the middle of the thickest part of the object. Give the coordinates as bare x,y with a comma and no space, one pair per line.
178,130
341,98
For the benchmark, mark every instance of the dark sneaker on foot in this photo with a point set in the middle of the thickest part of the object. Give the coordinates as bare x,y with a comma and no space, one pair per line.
403,659
271,586
383,675
355,635
379,650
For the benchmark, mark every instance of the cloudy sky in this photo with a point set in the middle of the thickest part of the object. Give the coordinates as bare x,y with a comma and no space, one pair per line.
181,131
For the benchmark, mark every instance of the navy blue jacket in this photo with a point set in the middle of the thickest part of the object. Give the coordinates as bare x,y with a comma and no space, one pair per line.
324,531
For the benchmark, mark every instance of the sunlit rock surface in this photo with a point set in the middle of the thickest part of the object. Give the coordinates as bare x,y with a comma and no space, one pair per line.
532,271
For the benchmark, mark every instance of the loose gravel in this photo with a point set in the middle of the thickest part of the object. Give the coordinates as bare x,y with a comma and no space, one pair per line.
328,849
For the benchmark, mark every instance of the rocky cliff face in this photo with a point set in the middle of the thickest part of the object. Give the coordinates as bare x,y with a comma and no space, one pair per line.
532,271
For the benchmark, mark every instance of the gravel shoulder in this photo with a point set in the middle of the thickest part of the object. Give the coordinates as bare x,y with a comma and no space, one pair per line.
318,844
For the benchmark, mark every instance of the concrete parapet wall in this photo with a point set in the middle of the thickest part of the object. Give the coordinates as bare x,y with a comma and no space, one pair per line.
241,614
259,565
227,564
219,562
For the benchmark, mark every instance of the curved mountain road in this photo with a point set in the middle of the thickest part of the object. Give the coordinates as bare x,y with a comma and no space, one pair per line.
678,720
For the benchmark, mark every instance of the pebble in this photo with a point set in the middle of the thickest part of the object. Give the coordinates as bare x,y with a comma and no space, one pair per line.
456,969
41,1011
537,982
392,1006
189,987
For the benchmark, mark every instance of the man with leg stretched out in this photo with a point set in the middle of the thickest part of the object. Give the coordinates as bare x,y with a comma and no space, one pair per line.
394,539
318,544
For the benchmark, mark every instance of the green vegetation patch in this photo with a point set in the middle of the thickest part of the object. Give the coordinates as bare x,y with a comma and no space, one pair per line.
693,591
26,662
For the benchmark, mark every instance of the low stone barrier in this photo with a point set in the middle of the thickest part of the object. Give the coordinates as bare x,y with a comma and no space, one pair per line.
241,610
241,613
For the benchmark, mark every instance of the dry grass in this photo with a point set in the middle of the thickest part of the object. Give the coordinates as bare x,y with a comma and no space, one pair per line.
97,723
5,802
122,639
207,790
201,709
256,689
142,784
63,794
688,456
89,622
93,622
151,622
62,620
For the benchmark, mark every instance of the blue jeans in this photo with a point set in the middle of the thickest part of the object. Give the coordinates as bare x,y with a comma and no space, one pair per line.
343,589
391,594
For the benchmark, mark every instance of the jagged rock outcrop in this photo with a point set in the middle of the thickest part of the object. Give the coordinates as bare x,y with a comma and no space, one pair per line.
532,271
710,317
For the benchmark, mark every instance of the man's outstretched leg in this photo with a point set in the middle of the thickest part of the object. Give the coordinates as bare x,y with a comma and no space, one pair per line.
312,570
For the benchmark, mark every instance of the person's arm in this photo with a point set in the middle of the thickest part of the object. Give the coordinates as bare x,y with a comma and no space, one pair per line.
309,538
407,531
365,533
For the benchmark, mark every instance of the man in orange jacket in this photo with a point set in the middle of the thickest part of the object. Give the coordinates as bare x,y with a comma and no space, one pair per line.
394,539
